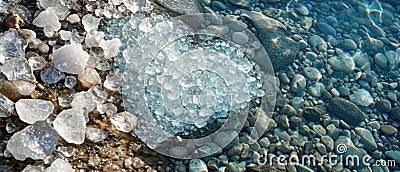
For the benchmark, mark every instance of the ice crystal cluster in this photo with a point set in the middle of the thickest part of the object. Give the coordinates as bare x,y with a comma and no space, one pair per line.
182,81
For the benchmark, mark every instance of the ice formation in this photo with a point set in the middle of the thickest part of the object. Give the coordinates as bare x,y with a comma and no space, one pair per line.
59,165
49,20
6,106
178,80
32,110
71,125
70,58
11,45
35,141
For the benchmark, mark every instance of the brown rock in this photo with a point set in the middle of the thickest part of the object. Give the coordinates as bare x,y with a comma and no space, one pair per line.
388,130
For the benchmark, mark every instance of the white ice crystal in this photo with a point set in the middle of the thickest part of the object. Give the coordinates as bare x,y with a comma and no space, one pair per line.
60,165
32,110
110,47
70,58
71,125
49,21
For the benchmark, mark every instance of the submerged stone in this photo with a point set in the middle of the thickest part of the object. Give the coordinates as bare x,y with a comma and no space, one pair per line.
347,111
32,110
71,125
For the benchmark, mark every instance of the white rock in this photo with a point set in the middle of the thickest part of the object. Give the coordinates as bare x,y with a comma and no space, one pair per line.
65,35
71,125
32,110
48,20
361,97
95,134
31,168
70,58
17,69
124,121
90,22
60,165
110,47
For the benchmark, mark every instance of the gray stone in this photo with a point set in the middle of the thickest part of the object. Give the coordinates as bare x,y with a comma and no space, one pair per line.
349,45
329,143
240,38
320,130
389,130
316,89
298,83
344,91
393,59
381,60
395,112
347,111
197,165
326,29
295,122
281,49
342,63
372,45
314,113
383,106
392,154
367,139
312,73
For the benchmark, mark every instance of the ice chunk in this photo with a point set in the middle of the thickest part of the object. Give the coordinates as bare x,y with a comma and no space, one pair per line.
113,81
70,58
35,141
95,134
49,21
51,75
90,22
11,45
60,165
73,18
65,35
37,62
70,81
17,69
83,100
124,121
32,110
110,47
89,77
71,125
32,168
6,106
93,38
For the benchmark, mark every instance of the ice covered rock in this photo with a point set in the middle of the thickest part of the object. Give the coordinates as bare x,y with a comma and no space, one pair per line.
124,121
11,45
95,134
60,165
6,106
35,141
89,77
49,21
70,58
110,47
32,110
17,69
71,125
90,22
113,81
51,75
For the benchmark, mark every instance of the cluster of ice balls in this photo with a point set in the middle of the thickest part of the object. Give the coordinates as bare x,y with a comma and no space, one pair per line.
177,82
